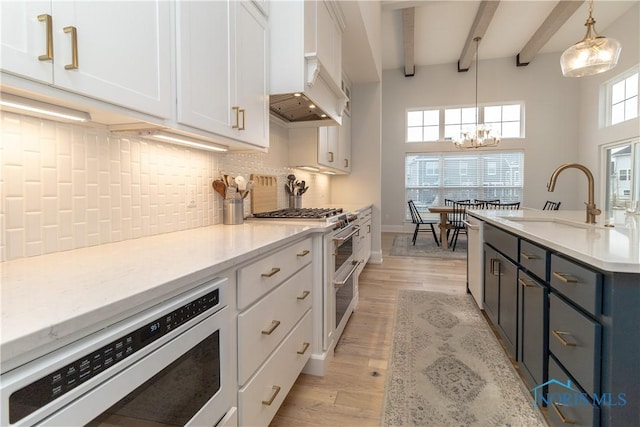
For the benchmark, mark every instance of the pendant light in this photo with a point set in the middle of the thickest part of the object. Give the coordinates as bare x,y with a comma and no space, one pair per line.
481,135
592,55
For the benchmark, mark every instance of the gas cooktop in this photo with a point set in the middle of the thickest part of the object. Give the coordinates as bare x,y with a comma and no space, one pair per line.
303,213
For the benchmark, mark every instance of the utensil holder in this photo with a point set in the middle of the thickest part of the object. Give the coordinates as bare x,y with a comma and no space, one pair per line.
233,211
295,202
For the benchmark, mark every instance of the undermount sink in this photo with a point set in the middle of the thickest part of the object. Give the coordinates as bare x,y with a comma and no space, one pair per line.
556,222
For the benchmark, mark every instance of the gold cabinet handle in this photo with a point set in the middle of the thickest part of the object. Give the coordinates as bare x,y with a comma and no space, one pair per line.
305,346
560,415
304,295
528,256
330,156
74,48
244,116
565,277
560,336
493,270
276,390
273,271
526,283
303,253
346,163
273,327
237,125
49,22
368,228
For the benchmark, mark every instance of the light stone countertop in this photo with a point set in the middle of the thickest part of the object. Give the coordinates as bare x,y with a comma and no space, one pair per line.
613,249
51,299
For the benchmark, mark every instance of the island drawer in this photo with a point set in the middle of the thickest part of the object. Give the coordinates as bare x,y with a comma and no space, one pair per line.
534,259
564,401
574,339
580,284
260,277
501,240
263,326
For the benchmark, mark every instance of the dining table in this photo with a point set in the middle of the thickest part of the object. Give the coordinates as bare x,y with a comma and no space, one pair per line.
444,212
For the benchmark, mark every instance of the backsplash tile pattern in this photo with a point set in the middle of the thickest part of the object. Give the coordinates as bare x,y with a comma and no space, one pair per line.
66,186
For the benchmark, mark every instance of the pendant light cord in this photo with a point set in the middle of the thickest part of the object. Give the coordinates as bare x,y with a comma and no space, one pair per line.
477,40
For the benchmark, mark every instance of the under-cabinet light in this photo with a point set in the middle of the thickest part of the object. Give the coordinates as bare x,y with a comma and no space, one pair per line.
38,108
309,168
328,173
182,140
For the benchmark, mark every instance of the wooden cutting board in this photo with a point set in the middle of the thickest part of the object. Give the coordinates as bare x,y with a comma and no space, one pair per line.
264,196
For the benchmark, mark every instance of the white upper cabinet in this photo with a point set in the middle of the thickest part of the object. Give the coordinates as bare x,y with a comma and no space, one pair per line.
328,146
222,64
118,53
344,144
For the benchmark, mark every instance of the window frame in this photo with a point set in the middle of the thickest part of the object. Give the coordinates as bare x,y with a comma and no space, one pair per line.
608,95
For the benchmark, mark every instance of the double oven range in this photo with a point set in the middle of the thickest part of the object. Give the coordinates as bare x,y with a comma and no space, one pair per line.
339,266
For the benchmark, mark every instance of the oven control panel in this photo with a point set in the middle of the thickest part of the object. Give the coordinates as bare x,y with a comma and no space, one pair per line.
48,388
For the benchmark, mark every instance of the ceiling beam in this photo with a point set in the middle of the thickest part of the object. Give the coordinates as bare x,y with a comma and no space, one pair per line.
556,19
408,26
479,27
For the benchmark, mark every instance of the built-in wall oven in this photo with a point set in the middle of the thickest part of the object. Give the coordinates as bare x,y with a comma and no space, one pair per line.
168,365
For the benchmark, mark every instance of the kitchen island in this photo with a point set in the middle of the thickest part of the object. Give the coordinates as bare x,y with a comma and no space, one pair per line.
564,296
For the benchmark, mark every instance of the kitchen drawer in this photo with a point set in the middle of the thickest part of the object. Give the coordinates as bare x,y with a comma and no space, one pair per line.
534,259
501,240
260,277
574,339
578,283
560,410
532,340
277,312
259,400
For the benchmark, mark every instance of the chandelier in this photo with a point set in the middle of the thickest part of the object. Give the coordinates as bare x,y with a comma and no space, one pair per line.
481,135
592,55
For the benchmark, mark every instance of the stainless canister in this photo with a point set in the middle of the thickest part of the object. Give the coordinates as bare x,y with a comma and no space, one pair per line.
295,202
233,211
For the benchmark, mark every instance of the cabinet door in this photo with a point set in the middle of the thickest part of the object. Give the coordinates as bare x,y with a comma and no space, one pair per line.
123,52
328,146
344,143
204,55
508,305
532,345
23,39
251,74
491,283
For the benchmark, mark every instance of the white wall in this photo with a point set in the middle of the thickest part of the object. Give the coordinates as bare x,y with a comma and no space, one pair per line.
551,128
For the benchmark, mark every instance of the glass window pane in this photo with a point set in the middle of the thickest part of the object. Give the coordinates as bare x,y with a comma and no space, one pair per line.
617,113
631,108
432,117
452,131
617,92
510,130
492,114
452,116
431,133
511,113
414,134
469,115
414,118
631,87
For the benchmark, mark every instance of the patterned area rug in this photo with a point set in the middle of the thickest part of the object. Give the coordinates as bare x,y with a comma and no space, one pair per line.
426,247
448,369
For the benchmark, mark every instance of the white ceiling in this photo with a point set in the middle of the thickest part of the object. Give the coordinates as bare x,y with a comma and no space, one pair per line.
442,27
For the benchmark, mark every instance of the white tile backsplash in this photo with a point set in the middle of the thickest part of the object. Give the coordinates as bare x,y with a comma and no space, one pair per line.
67,186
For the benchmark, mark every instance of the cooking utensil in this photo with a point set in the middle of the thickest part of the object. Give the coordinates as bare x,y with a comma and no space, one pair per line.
220,187
241,182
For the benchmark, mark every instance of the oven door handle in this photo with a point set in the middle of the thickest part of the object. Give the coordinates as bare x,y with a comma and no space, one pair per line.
340,283
347,237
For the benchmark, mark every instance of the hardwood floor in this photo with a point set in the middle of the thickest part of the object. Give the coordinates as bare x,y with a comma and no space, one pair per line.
352,391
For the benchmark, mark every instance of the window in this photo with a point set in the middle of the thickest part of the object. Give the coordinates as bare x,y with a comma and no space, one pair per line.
489,175
448,123
623,179
622,97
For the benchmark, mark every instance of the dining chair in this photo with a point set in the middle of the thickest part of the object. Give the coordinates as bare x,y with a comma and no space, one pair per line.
450,202
551,206
511,205
417,219
484,202
458,218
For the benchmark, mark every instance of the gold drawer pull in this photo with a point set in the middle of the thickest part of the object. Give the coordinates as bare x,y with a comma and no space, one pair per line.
47,19
560,336
526,283
560,415
528,256
276,390
303,253
273,327
244,116
273,271
565,277
74,48
305,346
304,295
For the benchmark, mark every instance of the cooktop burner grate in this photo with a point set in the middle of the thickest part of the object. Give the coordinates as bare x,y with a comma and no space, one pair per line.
305,213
